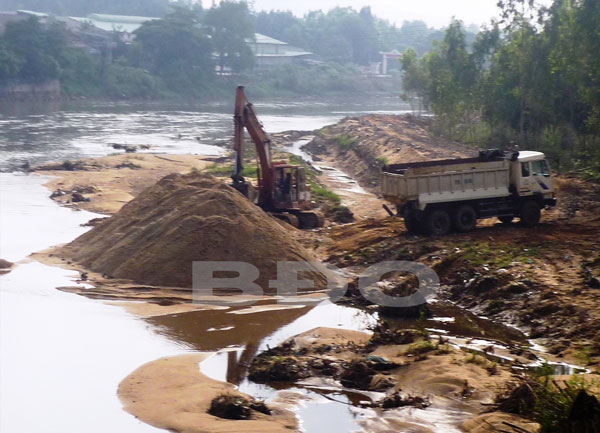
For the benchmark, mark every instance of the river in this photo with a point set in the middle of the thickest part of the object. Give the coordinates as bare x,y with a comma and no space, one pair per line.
62,356
91,129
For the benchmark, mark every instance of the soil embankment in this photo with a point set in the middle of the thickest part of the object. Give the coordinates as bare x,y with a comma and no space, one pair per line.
543,279
361,145
155,238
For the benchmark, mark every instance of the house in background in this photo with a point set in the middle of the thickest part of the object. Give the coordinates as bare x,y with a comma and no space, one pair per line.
20,15
124,26
270,52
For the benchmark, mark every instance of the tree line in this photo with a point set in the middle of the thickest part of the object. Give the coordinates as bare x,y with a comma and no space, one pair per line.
182,53
173,55
531,79
345,35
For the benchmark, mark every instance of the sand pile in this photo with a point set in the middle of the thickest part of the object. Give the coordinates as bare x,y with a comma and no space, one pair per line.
181,219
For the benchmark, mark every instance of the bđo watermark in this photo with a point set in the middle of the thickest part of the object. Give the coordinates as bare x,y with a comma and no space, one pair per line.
241,277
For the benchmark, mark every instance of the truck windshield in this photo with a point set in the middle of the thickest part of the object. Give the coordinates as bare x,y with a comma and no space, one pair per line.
540,168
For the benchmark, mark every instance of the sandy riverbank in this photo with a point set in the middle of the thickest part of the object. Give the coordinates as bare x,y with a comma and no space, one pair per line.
172,394
112,181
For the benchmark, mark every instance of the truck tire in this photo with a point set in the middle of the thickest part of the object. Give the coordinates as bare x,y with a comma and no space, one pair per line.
506,219
530,213
412,224
437,222
465,218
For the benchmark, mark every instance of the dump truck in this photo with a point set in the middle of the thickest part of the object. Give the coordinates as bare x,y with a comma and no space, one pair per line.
435,197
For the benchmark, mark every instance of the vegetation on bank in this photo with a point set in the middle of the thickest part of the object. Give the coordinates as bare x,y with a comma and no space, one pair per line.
532,79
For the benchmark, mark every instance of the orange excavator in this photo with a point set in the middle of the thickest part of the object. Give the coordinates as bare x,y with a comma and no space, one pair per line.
282,188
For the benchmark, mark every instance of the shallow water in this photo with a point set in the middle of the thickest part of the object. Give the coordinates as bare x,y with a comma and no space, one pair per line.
61,356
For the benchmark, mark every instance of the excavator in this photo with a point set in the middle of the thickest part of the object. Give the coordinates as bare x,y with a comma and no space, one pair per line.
282,188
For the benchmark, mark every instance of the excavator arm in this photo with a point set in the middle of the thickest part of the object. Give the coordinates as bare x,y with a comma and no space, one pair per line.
245,117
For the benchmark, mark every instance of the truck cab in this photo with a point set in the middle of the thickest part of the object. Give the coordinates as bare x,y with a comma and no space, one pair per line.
530,176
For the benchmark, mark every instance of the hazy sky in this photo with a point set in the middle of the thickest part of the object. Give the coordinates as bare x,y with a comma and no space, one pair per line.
436,13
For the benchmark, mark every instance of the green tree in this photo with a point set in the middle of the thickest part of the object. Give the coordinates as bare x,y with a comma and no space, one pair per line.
10,63
414,79
282,25
176,49
451,80
230,26
34,46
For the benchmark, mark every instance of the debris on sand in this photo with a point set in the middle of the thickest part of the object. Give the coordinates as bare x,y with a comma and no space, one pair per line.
277,369
5,266
155,238
399,400
236,407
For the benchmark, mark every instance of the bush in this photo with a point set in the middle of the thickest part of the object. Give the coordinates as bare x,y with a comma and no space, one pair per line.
345,142
129,82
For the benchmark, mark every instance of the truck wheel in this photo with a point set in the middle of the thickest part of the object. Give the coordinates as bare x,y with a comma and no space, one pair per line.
438,222
465,219
506,219
412,224
530,213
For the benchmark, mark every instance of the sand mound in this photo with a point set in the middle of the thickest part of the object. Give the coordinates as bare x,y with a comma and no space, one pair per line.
181,219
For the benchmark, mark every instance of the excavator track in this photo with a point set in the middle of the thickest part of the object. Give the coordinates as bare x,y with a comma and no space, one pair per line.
310,220
289,218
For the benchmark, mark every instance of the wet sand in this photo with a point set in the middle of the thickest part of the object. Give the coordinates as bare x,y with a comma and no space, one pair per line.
114,180
172,394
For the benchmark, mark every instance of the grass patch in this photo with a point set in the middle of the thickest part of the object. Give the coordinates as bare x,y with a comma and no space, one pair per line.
421,348
490,366
318,191
345,142
498,255
225,170
322,193
443,349
381,161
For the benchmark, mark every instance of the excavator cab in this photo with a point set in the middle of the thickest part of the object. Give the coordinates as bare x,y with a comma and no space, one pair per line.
290,189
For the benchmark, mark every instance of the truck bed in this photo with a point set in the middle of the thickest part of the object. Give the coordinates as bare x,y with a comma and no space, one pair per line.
446,180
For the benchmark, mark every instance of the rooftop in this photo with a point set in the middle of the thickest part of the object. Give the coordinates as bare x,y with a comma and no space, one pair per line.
111,23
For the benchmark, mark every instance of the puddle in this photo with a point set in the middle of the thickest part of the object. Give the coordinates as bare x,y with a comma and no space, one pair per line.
333,410
448,319
556,368
341,180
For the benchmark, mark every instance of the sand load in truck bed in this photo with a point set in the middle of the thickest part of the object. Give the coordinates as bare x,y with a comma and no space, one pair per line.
181,219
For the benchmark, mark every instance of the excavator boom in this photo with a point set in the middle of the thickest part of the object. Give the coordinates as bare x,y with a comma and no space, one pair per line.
245,117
